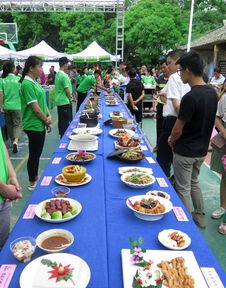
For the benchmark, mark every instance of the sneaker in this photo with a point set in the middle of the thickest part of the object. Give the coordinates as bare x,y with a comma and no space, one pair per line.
222,228
15,147
32,187
199,219
218,213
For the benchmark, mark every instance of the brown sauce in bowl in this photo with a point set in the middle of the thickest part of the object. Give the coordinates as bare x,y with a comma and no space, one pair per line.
54,242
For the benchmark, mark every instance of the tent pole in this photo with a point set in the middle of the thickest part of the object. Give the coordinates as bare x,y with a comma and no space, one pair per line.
190,25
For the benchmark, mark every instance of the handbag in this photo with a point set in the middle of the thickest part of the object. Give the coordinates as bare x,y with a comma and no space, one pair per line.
219,143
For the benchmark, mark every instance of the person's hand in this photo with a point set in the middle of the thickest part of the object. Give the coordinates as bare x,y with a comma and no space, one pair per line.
48,120
170,142
162,96
13,180
10,192
135,108
49,128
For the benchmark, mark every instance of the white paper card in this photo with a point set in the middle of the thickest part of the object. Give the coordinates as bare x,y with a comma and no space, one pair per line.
144,148
56,160
150,160
211,277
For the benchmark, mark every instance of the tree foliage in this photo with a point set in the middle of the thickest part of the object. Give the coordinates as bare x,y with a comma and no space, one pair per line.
151,27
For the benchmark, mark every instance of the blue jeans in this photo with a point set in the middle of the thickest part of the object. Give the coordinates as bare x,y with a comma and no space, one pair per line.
5,209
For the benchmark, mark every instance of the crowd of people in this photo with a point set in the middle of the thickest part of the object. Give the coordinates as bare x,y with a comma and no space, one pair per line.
188,107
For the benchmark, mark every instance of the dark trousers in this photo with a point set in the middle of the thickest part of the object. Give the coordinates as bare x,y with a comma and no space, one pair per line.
36,141
164,152
159,121
81,97
64,117
138,114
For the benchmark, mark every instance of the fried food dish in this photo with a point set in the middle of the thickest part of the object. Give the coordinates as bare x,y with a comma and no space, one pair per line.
120,133
149,206
128,142
178,238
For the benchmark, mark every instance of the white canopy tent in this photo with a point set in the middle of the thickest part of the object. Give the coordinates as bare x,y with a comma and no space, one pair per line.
42,50
6,53
93,53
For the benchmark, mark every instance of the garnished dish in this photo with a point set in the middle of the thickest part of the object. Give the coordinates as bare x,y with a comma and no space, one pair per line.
174,239
74,173
137,180
149,208
116,114
158,193
128,142
131,156
81,156
60,179
117,133
57,270
54,240
89,131
111,102
135,169
160,268
58,210
23,248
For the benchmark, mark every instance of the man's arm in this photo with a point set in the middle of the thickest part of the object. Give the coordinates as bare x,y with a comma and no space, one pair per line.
68,94
219,124
176,132
140,98
176,105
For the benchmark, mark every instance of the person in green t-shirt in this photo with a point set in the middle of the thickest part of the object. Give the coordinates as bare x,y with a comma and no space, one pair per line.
9,190
10,99
36,116
63,96
88,83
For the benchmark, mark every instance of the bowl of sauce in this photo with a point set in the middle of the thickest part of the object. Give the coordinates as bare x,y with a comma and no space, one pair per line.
54,240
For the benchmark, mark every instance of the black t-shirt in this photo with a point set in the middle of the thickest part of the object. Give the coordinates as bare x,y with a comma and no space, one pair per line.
198,109
135,87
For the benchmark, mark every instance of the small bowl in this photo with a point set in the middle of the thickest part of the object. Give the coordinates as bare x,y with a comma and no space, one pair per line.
60,192
145,216
133,185
74,177
55,232
159,194
22,250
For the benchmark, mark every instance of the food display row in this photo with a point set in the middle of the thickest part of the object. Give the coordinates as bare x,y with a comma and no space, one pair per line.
101,188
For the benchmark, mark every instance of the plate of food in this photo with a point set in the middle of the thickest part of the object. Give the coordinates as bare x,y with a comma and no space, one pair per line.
61,180
81,157
149,208
58,210
89,131
111,103
128,142
131,156
159,194
174,239
116,114
137,179
180,265
56,270
134,169
117,133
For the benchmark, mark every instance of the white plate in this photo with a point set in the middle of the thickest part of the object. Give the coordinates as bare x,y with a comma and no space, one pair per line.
112,115
80,161
113,131
41,205
155,193
165,240
89,131
132,185
136,148
81,270
157,256
62,181
108,104
72,147
126,169
149,217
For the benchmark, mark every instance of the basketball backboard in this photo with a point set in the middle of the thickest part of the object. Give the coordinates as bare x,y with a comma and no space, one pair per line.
8,32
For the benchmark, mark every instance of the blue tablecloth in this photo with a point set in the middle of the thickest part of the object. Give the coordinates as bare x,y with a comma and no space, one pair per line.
105,223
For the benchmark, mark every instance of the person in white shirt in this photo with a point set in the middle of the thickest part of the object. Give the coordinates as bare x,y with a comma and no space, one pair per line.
218,79
171,94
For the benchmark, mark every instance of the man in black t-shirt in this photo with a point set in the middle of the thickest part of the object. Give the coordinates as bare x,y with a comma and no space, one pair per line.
135,90
191,134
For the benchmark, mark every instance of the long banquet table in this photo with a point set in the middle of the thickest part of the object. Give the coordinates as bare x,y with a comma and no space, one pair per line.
105,224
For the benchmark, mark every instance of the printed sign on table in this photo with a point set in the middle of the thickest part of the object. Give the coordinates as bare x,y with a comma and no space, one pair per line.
162,182
68,133
144,148
6,274
56,160
150,160
63,145
30,212
211,277
46,180
179,213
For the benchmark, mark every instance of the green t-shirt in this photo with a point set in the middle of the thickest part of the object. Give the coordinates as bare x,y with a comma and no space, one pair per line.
3,164
32,91
62,81
86,84
148,80
11,92
80,78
